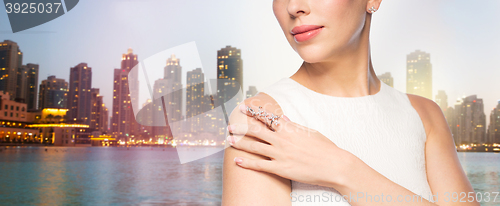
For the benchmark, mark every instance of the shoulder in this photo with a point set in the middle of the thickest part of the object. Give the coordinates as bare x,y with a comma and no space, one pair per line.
430,113
440,148
281,88
267,102
248,187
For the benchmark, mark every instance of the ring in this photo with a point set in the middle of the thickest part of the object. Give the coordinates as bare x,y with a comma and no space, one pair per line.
267,116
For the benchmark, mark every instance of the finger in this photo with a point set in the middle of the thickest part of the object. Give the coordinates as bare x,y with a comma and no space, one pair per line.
254,130
252,146
269,119
258,114
258,165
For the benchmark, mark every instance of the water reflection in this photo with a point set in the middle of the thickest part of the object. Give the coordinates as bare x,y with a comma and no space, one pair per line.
145,176
483,171
61,176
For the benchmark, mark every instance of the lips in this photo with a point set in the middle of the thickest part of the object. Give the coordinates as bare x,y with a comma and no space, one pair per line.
304,28
305,32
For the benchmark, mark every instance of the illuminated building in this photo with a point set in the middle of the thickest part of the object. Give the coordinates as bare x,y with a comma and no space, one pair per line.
386,78
52,115
99,113
80,83
195,93
53,93
14,121
229,75
494,127
61,134
168,92
12,110
471,121
20,81
229,83
419,74
173,93
145,119
125,93
11,59
104,141
27,85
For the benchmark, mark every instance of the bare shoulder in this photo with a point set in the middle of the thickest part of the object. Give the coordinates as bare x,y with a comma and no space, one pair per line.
266,101
444,171
248,187
430,113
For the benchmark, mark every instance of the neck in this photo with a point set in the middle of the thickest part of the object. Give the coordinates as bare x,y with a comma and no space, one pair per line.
348,74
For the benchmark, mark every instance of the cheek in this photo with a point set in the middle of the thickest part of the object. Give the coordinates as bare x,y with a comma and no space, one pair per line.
280,12
336,11
343,17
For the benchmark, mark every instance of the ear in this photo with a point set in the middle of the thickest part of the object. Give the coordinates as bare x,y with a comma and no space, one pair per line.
373,3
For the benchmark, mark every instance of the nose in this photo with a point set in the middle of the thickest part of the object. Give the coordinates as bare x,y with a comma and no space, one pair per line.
298,8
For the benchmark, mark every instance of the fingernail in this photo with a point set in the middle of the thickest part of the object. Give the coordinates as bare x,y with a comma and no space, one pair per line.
238,160
230,140
242,108
286,118
230,128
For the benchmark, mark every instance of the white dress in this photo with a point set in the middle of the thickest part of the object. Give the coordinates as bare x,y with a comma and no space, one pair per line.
383,130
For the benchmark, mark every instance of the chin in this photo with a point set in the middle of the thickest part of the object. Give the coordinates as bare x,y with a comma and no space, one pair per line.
311,53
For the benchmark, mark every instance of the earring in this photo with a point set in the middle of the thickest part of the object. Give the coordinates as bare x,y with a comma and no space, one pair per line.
372,10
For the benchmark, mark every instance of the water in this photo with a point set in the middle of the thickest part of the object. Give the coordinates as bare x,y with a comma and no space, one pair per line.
141,176
102,176
483,171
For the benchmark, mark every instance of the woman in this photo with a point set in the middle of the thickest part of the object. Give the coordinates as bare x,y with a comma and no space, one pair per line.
347,138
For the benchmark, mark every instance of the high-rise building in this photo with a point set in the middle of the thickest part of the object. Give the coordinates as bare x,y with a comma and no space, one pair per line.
32,87
11,59
145,119
471,121
252,91
451,118
125,93
386,78
173,93
442,100
229,77
129,61
105,119
160,116
195,93
494,127
99,113
419,74
169,91
79,95
22,84
27,85
53,93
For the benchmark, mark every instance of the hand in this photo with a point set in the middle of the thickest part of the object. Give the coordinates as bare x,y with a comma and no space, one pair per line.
295,152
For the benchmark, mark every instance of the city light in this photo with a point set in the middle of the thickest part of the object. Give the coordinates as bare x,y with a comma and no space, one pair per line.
58,125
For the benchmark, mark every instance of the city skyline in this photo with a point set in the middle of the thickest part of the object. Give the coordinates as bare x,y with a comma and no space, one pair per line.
89,143
466,117
458,53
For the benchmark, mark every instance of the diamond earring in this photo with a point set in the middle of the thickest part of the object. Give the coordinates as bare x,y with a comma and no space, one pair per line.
372,10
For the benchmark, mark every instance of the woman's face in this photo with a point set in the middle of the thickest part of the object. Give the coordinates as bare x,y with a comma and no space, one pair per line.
340,23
